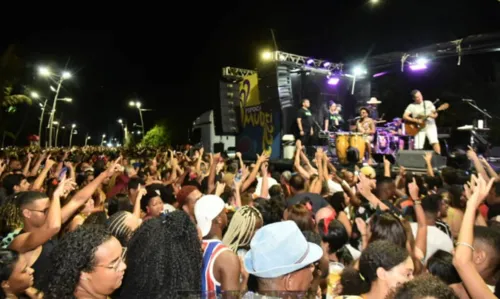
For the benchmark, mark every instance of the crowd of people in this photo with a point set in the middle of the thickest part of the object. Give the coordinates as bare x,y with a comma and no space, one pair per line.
95,222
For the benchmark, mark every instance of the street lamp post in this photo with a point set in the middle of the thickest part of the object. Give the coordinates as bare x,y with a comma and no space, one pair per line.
58,125
137,105
36,96
124,128
65,75
87,138
73,126
102,139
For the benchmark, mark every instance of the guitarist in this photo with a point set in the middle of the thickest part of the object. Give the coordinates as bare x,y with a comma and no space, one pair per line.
415,112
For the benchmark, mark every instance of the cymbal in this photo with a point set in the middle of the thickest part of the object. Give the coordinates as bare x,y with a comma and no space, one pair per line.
380,121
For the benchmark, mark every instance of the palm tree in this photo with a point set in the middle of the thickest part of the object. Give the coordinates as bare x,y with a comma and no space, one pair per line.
11,68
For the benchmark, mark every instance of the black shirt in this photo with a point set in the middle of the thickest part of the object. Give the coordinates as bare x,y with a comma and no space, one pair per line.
306,117
317,201
332,117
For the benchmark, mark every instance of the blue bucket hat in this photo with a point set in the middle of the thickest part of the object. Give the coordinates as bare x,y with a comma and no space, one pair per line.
278,249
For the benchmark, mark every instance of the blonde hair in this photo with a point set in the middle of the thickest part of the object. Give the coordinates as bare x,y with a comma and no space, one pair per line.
242,227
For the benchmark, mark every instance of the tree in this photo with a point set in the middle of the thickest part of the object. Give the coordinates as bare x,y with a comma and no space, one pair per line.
11,68
158,136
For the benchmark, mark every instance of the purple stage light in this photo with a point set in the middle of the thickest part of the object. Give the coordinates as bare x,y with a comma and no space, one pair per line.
310,61
418,67
379,74
333,81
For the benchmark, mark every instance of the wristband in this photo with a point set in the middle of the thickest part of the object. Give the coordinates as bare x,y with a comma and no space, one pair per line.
466,245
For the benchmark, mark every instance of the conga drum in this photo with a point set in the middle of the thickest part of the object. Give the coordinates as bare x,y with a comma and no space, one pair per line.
358,142
341,145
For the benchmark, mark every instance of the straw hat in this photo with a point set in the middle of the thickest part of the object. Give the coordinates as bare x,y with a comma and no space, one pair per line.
373,101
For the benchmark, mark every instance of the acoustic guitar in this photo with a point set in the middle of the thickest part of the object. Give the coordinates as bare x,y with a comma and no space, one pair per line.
412,129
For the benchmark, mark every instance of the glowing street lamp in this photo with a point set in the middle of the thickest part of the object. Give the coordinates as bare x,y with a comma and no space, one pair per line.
137,104
87,139
36,96
45,71
73,126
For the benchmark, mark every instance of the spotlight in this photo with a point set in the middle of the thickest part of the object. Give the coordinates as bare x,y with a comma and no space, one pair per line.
359,70
267,55
333,81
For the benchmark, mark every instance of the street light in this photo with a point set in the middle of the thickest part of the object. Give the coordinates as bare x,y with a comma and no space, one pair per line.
73,126
44,71
124,128
137,105
87,139
102,139
35,95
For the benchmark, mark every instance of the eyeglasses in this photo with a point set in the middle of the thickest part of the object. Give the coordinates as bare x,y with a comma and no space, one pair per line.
117,263
44,211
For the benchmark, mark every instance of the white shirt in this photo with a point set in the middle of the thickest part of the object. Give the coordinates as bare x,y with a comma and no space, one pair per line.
418,110
334,187
436,240
270,182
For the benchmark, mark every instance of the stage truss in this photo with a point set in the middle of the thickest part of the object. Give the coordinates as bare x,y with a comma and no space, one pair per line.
306,62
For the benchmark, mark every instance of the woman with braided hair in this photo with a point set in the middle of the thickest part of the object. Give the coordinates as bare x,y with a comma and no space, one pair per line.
245,222
11,222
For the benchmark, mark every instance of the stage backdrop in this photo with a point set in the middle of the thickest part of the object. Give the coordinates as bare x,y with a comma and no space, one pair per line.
260,124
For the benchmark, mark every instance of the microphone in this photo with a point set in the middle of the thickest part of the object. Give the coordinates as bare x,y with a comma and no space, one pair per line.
468,100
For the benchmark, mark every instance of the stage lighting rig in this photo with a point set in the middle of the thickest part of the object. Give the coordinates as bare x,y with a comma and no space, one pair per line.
305,62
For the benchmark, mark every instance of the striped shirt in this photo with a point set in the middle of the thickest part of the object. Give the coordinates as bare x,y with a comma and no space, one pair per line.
210,287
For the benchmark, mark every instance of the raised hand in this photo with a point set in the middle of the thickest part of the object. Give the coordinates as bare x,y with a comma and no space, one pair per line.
114,167
480,189
413,189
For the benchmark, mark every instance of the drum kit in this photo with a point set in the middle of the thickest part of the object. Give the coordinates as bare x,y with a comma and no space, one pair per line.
385,142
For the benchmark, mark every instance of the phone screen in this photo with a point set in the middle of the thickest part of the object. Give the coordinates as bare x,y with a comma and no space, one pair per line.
238,176
63,172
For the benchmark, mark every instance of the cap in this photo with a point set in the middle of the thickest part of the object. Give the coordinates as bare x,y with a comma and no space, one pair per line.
205,210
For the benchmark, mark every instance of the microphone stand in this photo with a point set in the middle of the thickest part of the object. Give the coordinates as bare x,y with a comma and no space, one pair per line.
478,109
473,132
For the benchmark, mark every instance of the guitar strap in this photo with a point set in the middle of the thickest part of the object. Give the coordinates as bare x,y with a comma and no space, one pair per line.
425,110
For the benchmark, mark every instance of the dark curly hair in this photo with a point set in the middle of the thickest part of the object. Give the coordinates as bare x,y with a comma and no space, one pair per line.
164,259
379,254
423,286
74,254
8,260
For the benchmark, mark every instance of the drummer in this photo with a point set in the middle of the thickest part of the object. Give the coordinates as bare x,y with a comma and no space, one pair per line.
396,126
366,126
333,120
372,108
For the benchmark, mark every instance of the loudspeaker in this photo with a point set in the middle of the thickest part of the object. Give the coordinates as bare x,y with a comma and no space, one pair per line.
413,160
275,83
229,108
275,91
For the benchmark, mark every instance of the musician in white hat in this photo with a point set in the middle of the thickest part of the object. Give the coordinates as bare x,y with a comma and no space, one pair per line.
372,106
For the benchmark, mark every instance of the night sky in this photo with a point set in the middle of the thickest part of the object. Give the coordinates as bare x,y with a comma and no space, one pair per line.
170,57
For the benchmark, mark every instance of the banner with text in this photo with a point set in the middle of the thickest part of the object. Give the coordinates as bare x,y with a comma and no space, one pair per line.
260,125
